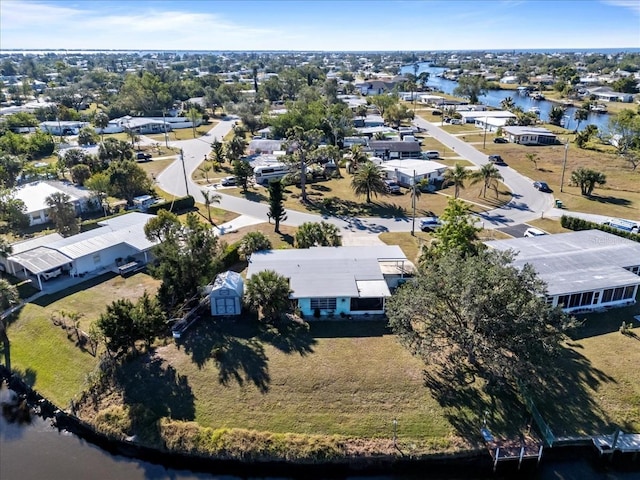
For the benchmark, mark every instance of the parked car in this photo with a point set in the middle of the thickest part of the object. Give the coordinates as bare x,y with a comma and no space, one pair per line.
143,157
392,186
542,186
429,224
534,232
51,274
429,154
500,140
228,181
497,159
436,112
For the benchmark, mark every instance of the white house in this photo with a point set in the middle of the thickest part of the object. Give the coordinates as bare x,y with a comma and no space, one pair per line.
403,171
530,135
35,194
62,128
606,94
337,280
491,118
89,252
584,270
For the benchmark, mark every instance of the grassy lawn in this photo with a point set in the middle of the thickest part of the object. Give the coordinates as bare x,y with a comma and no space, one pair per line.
548,225
218,215
620,197
284,239
155,167
42,352
335,197
183,133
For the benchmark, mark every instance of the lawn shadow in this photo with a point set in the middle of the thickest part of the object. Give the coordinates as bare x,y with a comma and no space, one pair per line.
348,328
320,188
234,348
153,389
288,336
565,399
623,202
47,300
257,197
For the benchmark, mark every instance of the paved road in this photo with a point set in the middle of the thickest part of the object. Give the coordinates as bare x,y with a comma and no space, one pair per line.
527,204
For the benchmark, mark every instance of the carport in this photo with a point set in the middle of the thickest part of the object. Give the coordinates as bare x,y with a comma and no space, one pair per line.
38,261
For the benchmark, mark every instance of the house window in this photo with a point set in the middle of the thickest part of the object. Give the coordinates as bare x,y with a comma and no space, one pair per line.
562,301
596,297
323,303
628,292
607,295
617,294
365,304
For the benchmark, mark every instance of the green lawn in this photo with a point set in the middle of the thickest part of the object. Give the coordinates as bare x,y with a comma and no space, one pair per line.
50,361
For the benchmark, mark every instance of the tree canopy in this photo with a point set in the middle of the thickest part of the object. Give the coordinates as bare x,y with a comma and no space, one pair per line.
478,316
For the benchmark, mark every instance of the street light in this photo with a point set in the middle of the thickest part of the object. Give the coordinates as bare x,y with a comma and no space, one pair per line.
564,163
484,141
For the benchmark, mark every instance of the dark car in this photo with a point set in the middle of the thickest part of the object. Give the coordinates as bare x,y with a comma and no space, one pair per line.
542,186
392,187
500,140
436,112
497,159
143,157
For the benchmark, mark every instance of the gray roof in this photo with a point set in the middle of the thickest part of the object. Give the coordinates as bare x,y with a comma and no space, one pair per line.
228,280
326,271
577,261
516,130
395,146
127,229
33,243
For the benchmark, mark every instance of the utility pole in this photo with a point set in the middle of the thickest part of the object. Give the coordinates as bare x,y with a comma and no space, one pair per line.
484,141
184,172
413,202
564,164
164,126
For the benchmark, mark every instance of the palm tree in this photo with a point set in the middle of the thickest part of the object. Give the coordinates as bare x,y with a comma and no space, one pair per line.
358,156
268,293
368,180
209,199
8,295
507,104
253,242
205,168
323,234
587,180
62,213
101,120
580,115
456,176
555,115
533,158
489,175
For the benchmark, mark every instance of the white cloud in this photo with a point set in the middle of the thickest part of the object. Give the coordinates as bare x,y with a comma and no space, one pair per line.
17,15
631,4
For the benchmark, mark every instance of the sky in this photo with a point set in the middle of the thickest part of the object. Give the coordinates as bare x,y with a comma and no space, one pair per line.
322,25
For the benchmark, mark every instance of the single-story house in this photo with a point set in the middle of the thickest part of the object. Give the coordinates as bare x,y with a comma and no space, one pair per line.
226,294
405,171
265,146
475,116
89,252
35,194
585,270
368,121
606,94
530,135
141,125
375,87
337,280
62,128
388,150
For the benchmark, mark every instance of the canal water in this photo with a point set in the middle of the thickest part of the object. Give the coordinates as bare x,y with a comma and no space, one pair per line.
38,451
493,98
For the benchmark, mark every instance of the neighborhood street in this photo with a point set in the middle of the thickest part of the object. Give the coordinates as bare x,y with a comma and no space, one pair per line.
527,204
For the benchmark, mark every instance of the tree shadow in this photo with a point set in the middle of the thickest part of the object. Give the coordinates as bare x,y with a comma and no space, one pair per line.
253,196
153,389
565,399
320,187
610,200
289,337
235,349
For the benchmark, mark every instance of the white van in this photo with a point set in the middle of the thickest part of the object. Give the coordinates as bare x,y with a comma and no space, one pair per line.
431,154
264,173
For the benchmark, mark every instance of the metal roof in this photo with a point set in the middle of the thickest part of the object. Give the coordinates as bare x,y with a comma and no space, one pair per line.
33,243
41,259
577,261
328,271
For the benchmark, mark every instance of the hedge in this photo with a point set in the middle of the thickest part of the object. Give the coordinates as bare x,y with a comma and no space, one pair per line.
230,255
574,223
177,205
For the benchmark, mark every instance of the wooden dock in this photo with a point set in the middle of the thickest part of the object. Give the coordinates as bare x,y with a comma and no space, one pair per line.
527,447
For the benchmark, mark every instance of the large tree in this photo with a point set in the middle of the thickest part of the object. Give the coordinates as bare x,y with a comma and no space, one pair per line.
63,213
277,213
127,180
243,172
625,128
478,316
253,242
471,87
368,180
302,143
457,234
268,292
318,234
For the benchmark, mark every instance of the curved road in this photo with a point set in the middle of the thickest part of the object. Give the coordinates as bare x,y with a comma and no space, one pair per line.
527,204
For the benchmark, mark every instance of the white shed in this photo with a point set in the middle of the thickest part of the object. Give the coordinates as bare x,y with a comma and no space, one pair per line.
226,294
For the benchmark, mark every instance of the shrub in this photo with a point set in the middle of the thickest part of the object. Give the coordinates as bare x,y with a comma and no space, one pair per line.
231,255
577,224
178,205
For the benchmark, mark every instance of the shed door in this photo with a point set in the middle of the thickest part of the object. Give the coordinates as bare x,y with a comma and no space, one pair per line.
226,306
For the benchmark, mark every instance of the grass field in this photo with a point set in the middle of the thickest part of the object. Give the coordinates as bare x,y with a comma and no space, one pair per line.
183,133
50,361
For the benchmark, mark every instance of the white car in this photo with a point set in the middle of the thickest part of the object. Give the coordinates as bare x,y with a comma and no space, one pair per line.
228,181
429,224
534,232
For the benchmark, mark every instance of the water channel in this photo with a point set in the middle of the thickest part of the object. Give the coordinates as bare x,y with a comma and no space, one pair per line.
493,98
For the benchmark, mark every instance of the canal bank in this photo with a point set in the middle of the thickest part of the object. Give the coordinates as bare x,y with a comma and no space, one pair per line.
79,440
